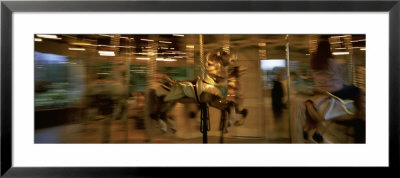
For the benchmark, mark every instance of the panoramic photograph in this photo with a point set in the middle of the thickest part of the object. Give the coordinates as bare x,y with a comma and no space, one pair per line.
199,88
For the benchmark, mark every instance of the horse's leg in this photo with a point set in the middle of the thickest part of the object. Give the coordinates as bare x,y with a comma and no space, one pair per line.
242,112
172,124
125,119
150,113
170,120
222,125
106,128
159,110
192,109
106,107
166,120
232,117
161,121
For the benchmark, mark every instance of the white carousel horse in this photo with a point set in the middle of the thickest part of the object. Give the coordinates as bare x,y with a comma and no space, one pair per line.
218,89
232,103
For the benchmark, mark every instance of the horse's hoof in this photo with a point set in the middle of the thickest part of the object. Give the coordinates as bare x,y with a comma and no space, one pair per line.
192,115
154,116
318,137
244,112
173,131
239,123
226,130
305,135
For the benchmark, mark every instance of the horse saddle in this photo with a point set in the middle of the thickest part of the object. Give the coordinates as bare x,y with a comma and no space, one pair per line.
193,89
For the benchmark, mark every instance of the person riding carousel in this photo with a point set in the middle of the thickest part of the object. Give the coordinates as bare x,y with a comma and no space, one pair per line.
335,112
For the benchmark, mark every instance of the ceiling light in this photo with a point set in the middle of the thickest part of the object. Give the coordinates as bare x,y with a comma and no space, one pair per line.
169,60
38,39
341,53
167,53
49,37
357,40
77,49
177,35
106,53
164,41
81,44
165,59
190,46
126,46
362,49
143,39
262,44
143,58
338,36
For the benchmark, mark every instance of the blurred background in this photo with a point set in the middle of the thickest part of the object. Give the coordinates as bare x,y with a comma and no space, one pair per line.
71,68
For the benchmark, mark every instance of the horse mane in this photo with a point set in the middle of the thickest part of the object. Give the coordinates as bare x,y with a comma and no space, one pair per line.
237,71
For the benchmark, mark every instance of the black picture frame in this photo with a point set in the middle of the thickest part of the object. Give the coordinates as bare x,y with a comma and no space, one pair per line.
8,7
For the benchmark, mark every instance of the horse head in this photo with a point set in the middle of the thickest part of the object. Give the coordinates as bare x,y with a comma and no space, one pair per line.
221,56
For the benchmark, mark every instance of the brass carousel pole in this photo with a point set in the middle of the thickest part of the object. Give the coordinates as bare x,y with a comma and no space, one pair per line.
262,55
202,62
351,66
288,82
151,69
106,131
204,124
127,87
225,47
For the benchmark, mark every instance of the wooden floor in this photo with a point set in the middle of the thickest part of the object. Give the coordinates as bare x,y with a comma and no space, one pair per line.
131,131
128,133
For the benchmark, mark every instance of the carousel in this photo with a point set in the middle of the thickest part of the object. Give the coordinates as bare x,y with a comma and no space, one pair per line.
193,88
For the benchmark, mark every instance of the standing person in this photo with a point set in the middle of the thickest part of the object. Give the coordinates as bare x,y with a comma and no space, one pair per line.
326,73
277,96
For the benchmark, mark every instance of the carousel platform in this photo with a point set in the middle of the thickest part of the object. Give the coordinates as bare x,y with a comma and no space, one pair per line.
130,132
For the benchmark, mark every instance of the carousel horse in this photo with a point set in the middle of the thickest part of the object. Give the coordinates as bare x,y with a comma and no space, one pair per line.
233,101
330,119
218,89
